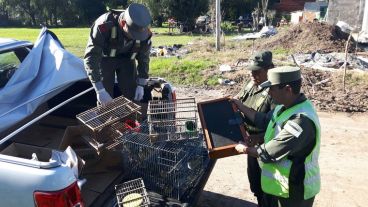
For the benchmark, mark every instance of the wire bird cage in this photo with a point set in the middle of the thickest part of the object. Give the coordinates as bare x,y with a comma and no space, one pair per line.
169,168
172,120
107,123
132,193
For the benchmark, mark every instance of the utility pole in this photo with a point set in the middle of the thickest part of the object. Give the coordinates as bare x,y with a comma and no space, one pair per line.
218,25
365,18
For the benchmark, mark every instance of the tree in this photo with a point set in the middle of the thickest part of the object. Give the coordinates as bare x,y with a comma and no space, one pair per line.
4,13
72,16
158,10
264,10
90,10
232,9
26,8
116,4
187,11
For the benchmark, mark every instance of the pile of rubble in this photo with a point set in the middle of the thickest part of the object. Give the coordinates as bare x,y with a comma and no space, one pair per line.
326,91
330,61
308,38
324,87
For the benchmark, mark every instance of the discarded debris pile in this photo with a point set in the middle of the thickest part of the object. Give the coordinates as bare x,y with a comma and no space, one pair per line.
266,31
176,50
325,89
334,60
308,38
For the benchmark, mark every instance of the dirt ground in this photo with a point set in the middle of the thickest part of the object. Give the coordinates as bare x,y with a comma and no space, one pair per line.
343,116
343,163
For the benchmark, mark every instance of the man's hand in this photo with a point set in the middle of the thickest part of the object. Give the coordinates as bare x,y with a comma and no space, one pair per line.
103,97
237,102
248,112
139,92
241,148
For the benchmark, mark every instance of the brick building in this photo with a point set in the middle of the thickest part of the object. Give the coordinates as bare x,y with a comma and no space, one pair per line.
290,5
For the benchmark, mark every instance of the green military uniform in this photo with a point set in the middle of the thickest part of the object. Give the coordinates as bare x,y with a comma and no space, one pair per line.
292,150
109,51
258,99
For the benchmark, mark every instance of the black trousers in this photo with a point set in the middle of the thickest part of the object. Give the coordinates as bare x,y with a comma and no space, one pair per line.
254,177
274,201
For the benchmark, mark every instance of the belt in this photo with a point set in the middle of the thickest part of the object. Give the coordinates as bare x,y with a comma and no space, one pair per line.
119,56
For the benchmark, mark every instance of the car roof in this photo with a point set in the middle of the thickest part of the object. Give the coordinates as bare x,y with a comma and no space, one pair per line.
9,44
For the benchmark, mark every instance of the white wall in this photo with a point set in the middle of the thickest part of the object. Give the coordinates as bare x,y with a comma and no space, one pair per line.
349,11
365,18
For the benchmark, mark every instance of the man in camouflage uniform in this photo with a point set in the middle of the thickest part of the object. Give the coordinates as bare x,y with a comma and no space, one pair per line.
258,99
116,41
290,173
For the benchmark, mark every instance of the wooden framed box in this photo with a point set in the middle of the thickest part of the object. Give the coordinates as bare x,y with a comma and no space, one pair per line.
223,127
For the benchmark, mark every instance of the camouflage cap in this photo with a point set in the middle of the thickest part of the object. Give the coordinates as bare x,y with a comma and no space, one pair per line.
279,75
262,60
138,19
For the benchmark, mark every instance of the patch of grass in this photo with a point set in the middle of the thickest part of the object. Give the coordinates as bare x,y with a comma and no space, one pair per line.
168,40
280,51
189,70
356,78
180,71
20,33
213,80
75,39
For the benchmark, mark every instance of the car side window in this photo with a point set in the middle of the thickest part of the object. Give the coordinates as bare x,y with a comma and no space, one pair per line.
9,62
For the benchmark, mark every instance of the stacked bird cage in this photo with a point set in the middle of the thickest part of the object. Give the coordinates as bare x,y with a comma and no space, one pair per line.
168,168
108,123
132,193
172,120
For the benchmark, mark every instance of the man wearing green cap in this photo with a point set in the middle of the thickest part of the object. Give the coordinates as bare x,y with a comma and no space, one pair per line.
289,156
258,99
116,42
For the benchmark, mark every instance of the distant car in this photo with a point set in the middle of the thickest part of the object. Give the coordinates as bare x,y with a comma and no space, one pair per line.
245,20
202,24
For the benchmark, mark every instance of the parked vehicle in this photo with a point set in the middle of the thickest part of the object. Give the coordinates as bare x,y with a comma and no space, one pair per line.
203,24
36,123
245,21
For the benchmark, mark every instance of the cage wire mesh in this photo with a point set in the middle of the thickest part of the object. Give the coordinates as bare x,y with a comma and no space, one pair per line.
132,193
169,168
108,123
101,116
172,120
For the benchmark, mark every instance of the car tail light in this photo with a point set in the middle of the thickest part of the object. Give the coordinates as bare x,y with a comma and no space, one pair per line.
68,197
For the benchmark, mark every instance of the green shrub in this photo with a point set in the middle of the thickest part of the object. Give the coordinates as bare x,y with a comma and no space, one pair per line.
180,71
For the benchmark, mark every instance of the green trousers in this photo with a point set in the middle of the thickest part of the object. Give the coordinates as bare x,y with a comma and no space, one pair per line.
126,74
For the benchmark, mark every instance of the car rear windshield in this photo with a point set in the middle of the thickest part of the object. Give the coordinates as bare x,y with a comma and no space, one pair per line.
9,62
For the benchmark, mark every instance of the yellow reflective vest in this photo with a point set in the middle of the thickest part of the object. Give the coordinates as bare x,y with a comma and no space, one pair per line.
275,176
